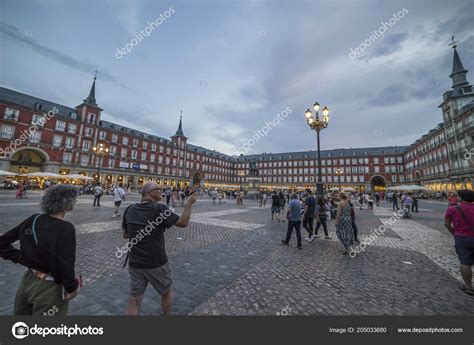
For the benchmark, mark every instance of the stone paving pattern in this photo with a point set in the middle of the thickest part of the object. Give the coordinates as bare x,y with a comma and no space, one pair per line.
229,261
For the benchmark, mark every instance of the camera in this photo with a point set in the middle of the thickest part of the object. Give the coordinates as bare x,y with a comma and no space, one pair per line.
20,331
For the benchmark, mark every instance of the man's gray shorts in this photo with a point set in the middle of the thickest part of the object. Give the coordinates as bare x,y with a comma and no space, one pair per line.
159,278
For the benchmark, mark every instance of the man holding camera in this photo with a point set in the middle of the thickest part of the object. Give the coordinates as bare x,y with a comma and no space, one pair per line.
148,260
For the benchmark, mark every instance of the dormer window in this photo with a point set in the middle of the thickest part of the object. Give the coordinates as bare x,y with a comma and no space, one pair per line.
38,106
90,118
73,115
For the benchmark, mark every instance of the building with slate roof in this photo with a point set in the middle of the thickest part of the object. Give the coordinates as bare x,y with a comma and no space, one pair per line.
64,145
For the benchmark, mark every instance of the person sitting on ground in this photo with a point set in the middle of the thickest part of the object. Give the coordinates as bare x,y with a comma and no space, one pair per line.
48,250
459,220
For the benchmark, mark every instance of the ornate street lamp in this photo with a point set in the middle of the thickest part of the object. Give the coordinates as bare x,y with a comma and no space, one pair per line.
317,124
100,150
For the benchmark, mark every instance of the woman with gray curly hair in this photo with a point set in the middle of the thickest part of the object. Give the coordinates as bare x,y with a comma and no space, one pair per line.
48,250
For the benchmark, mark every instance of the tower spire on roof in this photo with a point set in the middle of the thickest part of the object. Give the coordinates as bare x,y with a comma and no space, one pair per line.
91,98
458,74
180,127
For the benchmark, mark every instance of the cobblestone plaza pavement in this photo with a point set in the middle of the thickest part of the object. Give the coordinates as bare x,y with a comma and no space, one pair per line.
229,261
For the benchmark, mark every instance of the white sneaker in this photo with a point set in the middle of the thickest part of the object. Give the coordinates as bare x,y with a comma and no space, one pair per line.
307,239
113,216
312,237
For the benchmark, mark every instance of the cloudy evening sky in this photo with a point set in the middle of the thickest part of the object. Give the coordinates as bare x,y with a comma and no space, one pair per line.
232,65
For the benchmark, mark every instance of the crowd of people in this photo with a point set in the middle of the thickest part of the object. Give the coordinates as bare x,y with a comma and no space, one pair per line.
47,242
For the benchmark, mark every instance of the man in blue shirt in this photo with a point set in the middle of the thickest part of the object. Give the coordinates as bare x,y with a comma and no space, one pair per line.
294,220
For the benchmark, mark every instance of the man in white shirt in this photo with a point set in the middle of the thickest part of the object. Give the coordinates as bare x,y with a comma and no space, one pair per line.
119,196
98,191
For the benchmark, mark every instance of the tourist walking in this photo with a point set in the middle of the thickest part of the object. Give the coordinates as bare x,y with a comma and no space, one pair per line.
370,202
275,206
48,251
98,192
294,220
119,196
377,199
406,204
344,230
321,218
459,220
168,196
353,222
308,215
361,201
282,205
414,205
395,201
265,199
147,259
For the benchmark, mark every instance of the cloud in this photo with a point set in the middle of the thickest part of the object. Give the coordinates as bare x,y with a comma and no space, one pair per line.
15,35
390,44
128,16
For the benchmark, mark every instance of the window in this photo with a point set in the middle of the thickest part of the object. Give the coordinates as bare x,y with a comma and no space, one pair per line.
143,156
90,118
385,160
60,125
84,159
111,163
123,152
376,160
113,150
69,143
125,141
134,154
38,120
135,142
377,169
72,128
57,140
67,157
86,145
152,159
102,135
11,114
7,131
35,137
114,138
145,145
89,131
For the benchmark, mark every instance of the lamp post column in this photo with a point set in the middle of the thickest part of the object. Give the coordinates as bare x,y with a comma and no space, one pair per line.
319,183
